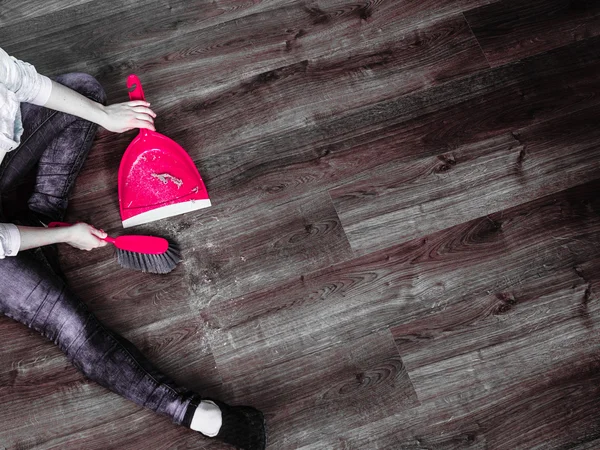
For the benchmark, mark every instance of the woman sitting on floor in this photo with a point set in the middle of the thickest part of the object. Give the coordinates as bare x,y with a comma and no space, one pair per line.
52,123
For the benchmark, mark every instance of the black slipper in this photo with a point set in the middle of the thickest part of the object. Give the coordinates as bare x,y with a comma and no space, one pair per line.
243,427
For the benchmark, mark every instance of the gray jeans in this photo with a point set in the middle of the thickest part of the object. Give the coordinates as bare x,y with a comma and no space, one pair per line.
34,295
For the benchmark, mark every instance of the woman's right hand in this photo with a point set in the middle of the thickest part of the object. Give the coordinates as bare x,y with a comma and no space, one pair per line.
122,117
84,236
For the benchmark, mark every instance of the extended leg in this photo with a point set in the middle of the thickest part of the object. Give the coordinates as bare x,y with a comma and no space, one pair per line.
34,296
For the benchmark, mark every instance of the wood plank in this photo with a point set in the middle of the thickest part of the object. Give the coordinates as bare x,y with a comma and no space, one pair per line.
364,378
589,272
510,30
367,66
462,267
198,34
516,368
54,413
30,362
180,348
111,436
141,299
136,23
413,197
497,408
588,442
13,12
542,418
496,364
537,301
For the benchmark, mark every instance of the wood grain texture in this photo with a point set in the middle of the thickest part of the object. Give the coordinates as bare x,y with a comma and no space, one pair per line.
364,378
404,245
13,12
500,274
458,264
252,127
494,167
509,30
238,251
451,427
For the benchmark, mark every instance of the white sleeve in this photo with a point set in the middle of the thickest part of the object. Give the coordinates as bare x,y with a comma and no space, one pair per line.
9,106
22,79
10,240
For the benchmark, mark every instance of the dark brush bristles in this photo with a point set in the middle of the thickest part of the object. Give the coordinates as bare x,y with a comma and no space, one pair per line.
163,263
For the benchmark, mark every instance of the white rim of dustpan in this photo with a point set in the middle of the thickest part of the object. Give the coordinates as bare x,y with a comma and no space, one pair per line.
166,211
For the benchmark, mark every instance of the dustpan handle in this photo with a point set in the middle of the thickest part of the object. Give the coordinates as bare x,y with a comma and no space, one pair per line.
134,86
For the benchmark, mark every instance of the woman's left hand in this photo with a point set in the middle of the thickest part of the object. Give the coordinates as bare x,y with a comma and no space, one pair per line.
84,236
122,117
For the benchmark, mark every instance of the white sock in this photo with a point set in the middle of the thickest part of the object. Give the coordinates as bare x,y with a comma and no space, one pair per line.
207,419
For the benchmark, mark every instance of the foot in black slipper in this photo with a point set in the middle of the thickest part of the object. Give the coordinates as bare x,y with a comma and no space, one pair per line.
241,426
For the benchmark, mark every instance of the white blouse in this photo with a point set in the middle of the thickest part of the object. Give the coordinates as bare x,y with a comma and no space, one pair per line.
19,82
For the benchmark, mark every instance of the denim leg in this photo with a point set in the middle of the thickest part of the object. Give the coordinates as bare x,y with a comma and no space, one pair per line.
58,143
34,296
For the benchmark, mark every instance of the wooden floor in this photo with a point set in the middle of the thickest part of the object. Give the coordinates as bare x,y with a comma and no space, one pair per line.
404,247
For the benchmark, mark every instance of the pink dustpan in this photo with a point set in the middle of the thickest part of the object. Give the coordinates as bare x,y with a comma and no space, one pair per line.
157,178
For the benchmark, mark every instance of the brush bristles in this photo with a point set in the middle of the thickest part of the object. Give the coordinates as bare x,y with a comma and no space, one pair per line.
163,263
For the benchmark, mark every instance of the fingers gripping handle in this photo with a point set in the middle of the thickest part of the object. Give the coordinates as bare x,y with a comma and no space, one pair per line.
134,86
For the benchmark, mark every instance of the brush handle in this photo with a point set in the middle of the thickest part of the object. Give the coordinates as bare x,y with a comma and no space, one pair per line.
149,245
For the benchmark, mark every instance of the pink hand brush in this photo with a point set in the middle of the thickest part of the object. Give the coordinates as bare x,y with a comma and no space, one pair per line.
146,253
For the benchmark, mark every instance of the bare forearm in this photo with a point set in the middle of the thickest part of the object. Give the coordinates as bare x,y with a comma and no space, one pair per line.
32,237
117,118
69,101
80,235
